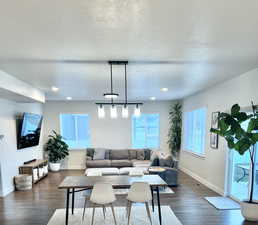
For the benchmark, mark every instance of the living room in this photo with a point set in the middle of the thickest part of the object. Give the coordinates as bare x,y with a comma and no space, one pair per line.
107,104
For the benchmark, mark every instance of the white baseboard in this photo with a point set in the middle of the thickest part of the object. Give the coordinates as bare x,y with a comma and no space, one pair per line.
203,181
6,191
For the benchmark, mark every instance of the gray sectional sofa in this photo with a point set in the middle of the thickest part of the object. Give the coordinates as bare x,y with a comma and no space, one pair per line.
114,161
102,158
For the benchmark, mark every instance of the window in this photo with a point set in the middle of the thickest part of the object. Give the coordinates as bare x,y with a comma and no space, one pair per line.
194,131
145,131
75,130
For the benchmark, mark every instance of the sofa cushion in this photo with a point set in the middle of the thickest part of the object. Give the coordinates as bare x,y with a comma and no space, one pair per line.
119,154
132,154
98,163
141,163
99,153
121,163
140,154
126,170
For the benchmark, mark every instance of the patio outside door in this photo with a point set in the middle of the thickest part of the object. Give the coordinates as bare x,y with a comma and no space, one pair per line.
239,175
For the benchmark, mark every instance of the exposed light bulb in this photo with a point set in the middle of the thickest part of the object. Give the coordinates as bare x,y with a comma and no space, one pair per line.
164,89
54,89
69,98
125,112
113,112
101,111
137,111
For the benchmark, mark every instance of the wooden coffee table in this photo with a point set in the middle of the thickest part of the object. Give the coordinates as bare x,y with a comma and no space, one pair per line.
71,183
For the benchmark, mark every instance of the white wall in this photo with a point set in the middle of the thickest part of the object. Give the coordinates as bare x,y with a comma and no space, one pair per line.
109,133
211,170
10,157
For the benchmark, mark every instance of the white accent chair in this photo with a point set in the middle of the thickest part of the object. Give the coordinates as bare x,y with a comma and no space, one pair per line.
139,192
103,195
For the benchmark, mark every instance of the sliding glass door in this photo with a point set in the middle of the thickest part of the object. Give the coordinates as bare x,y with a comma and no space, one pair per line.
240,174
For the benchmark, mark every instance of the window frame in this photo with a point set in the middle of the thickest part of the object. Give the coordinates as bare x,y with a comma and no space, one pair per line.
76,128
185,133
146,136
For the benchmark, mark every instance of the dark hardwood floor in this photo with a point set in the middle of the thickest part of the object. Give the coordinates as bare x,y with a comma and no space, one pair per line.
37,206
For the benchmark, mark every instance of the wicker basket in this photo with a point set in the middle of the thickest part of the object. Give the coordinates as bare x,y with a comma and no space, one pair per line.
23,182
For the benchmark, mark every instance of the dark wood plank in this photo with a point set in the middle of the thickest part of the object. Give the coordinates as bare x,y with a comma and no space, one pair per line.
37,206
116,181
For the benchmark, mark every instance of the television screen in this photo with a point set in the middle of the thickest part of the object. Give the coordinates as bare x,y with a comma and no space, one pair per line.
29,132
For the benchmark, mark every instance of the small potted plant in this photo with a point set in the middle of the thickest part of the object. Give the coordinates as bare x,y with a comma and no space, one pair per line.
57,150
242,140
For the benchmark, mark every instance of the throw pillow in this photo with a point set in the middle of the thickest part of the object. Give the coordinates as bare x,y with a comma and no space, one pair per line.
107,154
140,154
90,152
99,153
155,162
166,161
132,154
147,153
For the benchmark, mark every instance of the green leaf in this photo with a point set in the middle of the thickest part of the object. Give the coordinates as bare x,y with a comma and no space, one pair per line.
222,125
235,109
243,145
230,141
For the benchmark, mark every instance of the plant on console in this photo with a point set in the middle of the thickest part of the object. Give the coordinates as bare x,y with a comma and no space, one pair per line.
57,150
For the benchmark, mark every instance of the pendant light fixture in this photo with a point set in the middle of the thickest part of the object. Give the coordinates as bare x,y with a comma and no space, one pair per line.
101,111
137,111
111,95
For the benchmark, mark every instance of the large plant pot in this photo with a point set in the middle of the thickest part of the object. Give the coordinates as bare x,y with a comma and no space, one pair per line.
249,211
55,167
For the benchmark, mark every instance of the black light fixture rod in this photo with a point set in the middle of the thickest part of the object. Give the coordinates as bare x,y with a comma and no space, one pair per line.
125,84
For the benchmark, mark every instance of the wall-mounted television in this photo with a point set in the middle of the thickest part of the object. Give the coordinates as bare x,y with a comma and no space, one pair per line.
29,130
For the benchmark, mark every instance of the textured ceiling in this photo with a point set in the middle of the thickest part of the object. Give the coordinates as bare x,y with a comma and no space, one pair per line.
192,44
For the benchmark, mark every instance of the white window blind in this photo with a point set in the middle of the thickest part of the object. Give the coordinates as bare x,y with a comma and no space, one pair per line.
194,130
75,130
145,131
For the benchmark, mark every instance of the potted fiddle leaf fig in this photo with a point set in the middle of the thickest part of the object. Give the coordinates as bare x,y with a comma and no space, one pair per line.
57,150
242,140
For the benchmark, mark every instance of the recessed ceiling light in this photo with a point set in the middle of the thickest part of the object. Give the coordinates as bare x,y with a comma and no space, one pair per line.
55,89
164,89
68,98
152,98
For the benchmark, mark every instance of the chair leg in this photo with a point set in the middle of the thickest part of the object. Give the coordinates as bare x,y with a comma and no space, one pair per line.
84,208
104,211
113,211
93,213
129,211
148,211
127,207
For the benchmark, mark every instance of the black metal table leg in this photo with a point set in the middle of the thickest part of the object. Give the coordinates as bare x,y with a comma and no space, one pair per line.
160,218
73,201
152,199
67,206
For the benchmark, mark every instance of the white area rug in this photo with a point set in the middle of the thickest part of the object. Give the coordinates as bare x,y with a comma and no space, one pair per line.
138,216
223,203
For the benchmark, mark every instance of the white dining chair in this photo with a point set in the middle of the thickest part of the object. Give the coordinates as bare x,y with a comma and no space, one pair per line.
139,192
87,193
103,195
